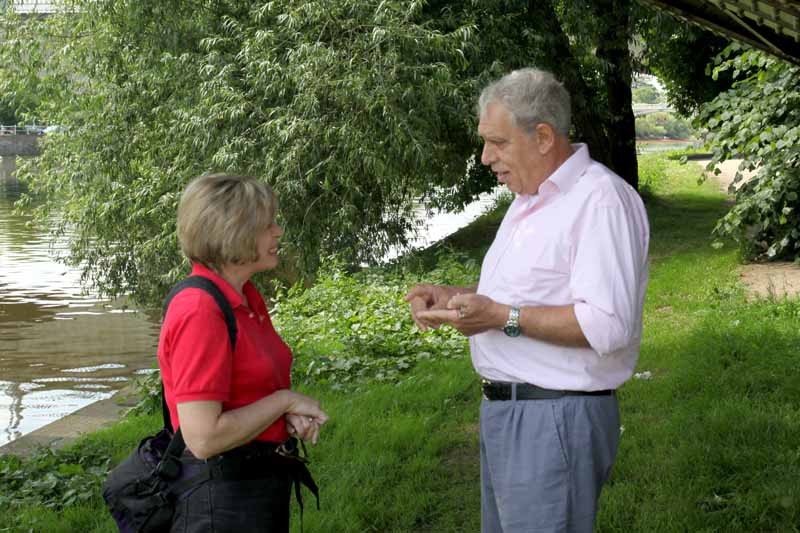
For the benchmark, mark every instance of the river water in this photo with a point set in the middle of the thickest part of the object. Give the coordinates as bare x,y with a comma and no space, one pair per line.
62,349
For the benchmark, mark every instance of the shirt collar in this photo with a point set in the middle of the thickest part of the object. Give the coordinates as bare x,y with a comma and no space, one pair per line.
230,293
570,170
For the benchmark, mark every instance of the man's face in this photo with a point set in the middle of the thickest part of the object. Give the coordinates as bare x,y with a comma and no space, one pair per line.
514,155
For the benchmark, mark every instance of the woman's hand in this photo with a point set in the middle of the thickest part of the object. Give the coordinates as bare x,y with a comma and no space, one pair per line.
302,427
304,416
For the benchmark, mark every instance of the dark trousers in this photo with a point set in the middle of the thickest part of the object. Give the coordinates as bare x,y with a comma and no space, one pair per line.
255,502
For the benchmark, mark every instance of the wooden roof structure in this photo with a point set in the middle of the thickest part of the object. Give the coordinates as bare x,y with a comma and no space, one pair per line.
770,25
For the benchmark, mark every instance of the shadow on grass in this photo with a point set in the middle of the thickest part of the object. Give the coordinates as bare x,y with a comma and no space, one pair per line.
711,444
697,215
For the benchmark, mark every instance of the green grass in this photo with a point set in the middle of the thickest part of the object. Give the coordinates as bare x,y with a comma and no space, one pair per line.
394,458
711,443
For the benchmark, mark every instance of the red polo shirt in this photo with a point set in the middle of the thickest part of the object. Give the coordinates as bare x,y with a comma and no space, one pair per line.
194,352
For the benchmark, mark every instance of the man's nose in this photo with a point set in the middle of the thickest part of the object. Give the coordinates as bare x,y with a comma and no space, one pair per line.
487,155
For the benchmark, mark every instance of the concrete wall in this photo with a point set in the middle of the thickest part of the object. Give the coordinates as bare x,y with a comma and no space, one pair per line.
11,145
8,169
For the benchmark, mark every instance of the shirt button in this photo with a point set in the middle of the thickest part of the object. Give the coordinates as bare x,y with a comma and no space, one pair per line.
252,315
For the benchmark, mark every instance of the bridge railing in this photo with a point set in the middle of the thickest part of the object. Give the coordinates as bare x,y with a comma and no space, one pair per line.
26,7
29,129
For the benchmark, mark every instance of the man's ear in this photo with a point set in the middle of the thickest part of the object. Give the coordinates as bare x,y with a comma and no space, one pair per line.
545,137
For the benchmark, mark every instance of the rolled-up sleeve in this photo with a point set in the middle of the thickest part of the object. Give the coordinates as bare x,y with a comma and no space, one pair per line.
608,273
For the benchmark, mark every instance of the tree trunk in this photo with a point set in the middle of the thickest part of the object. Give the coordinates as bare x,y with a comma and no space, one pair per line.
586,119
613,49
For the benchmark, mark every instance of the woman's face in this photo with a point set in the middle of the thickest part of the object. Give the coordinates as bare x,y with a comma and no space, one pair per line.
268,247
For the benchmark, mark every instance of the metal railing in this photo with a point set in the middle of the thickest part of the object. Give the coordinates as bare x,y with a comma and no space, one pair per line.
32,6
30,129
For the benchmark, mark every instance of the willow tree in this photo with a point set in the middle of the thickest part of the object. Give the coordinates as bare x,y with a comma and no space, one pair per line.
350,109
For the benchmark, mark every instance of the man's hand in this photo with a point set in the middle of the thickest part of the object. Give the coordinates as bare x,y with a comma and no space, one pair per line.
426,297
468,313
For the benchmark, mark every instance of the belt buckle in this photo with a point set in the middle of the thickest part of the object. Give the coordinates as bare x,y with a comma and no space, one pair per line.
484,384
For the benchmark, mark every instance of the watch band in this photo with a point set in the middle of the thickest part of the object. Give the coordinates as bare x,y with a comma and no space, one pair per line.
512,328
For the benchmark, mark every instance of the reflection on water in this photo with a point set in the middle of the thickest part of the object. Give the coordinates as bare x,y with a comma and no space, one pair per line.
60,349
435,226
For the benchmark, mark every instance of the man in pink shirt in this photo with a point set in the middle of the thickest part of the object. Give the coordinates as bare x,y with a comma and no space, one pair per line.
555,322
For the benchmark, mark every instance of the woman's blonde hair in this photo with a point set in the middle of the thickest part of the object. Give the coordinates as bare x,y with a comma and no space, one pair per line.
221,216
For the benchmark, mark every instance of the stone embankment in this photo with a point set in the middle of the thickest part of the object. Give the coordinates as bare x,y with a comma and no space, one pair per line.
67,429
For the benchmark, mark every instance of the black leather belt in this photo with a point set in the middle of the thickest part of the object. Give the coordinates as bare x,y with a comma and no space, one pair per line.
257,460
501,390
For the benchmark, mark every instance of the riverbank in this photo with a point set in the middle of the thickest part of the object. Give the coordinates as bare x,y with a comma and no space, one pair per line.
709,441
67,430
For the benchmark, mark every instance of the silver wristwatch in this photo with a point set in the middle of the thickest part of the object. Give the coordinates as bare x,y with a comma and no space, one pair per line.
512,328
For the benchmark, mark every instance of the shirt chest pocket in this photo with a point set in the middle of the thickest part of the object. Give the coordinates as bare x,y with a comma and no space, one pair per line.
536,266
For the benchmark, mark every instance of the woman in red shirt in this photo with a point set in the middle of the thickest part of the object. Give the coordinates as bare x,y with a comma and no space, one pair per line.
234,407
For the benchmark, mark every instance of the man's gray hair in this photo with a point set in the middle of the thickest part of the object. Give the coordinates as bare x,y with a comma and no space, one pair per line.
532,96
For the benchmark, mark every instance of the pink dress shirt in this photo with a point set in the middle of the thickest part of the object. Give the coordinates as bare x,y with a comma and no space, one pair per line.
581,240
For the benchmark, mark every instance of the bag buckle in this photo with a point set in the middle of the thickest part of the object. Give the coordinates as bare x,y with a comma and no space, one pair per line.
290,450
168,468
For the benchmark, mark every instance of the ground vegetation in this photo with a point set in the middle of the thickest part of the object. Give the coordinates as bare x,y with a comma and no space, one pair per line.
716,375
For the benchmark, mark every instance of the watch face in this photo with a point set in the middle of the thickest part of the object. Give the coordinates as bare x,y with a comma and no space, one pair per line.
512,331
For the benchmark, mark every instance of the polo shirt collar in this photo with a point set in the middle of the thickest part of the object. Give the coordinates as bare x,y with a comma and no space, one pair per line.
570,170
230,293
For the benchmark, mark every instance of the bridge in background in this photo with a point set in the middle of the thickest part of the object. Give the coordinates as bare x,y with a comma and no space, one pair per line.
32,7
19,141
645,109
16,141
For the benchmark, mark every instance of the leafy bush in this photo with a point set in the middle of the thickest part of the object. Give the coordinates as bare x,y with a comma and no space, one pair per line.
148,391
652,173
52,479
351,327
758,120
662,126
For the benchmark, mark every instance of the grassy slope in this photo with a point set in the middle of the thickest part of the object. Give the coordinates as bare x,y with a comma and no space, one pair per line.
710,443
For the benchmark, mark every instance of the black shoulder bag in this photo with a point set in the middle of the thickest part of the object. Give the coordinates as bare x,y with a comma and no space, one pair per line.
142,490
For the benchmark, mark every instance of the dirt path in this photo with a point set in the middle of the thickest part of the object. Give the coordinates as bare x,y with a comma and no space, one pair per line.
728,169
762,280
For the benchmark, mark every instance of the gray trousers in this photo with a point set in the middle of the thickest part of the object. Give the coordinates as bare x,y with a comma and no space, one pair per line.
543,462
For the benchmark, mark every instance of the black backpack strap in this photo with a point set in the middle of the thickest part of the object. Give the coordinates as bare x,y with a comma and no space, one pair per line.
197,282
200,282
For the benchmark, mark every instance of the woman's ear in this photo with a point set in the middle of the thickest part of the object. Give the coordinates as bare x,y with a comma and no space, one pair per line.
545,137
